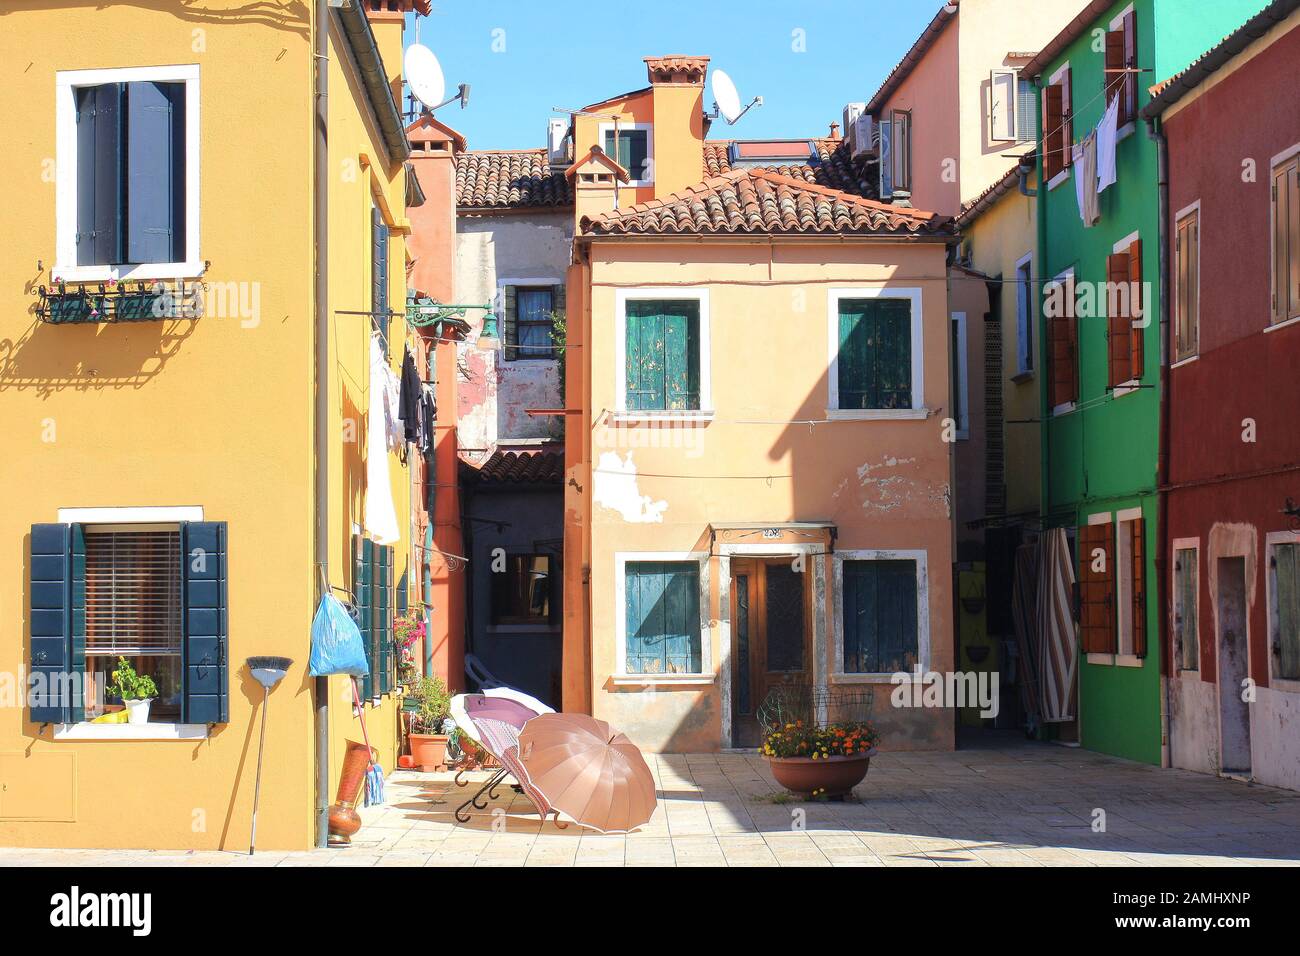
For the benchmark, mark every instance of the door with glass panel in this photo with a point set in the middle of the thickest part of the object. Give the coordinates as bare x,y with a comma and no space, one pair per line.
769,637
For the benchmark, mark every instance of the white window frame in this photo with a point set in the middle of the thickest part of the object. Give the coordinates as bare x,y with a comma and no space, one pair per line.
1025,365
1271,540
66,83
1173,295
1012,107
529,282
1123,558
913,295
125,517
961,380
1062,76
1131,385
1185,544
648,128
1283,157
707,674
1059,279
923,649
645,416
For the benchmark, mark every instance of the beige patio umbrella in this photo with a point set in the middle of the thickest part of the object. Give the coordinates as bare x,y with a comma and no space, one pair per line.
588,771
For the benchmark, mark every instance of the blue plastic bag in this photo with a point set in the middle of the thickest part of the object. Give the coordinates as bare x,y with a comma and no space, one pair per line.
336,646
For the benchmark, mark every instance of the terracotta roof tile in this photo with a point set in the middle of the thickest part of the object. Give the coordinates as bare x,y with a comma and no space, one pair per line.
510,465
667,69
509,179
833,168
767,202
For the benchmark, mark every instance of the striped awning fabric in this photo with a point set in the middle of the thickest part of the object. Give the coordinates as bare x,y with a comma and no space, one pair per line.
133,593
1058,636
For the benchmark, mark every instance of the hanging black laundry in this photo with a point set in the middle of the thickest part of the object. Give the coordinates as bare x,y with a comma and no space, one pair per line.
408,408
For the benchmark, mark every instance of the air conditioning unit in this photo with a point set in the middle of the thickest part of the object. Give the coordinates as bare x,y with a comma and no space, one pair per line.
557,147
866,138
851,113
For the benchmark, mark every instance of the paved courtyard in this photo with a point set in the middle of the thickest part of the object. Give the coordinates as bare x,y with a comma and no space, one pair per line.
1013,804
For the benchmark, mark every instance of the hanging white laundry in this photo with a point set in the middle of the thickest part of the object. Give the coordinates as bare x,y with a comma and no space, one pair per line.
395,428
380,513
1084,157
1106,133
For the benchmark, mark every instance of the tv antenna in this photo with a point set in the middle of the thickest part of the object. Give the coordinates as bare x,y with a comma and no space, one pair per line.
726,99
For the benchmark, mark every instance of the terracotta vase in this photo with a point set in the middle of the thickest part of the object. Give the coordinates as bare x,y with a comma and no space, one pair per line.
829,776
429,751
343,817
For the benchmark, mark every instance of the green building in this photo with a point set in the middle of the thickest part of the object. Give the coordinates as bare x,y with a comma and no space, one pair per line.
1100,341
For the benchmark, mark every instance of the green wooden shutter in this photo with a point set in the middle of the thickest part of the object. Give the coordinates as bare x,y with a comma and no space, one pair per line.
100,168
875,358
509,323
1286,568
362,586
155,172
880,617
384,615
379,275
662,345
663,618
51,591
205,635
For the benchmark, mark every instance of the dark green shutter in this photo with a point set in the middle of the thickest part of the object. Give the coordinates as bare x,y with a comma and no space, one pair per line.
100,169
875,357
663,617
509,323
155,172
204,642
662,346
384,615
363,570
1286,568
379,275
51,584
880,616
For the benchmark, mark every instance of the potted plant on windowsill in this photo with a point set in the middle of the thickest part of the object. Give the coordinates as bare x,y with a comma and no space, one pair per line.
136,691
818,761
427,742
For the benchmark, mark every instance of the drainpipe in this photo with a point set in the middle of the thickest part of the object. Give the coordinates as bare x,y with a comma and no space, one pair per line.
320,226
1157,133
1044,354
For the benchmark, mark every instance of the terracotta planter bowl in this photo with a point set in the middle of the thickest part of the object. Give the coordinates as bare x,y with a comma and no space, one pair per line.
829,777
429,751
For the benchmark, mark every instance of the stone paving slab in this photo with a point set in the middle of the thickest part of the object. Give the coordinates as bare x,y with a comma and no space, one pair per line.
1017,804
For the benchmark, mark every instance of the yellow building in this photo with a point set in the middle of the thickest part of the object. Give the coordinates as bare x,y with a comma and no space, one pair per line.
159,325
759,484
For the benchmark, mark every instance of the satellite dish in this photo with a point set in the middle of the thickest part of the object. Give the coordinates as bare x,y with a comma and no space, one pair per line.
424,75
725,96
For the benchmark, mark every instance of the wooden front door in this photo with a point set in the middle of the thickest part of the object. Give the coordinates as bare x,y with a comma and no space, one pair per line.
769,614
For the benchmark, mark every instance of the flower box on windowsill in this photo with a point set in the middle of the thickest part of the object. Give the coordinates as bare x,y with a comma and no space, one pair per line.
114,302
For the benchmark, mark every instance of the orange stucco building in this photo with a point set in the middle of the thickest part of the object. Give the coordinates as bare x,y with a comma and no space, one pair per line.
758,485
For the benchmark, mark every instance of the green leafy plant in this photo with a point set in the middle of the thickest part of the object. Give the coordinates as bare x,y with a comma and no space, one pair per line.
128,685
798,739
433,704
559,337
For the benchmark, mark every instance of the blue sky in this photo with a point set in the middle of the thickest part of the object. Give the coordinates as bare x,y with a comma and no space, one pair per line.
555,57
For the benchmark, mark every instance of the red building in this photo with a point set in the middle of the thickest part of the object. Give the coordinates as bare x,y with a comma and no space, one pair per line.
1231,441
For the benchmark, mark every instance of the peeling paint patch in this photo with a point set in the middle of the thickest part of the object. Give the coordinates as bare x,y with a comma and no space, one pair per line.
616,489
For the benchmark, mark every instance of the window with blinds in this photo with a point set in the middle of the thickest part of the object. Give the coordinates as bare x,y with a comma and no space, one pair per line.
133,610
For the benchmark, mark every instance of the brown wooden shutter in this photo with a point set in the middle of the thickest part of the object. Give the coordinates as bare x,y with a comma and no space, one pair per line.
1129,83
1136,308
1067,122
1064,349
1118,323
1138,598
1053,130
1097,590
1114,75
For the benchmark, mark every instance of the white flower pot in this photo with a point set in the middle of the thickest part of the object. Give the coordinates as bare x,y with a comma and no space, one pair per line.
137,711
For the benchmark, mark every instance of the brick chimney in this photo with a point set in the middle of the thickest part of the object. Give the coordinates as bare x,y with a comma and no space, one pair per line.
677,87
